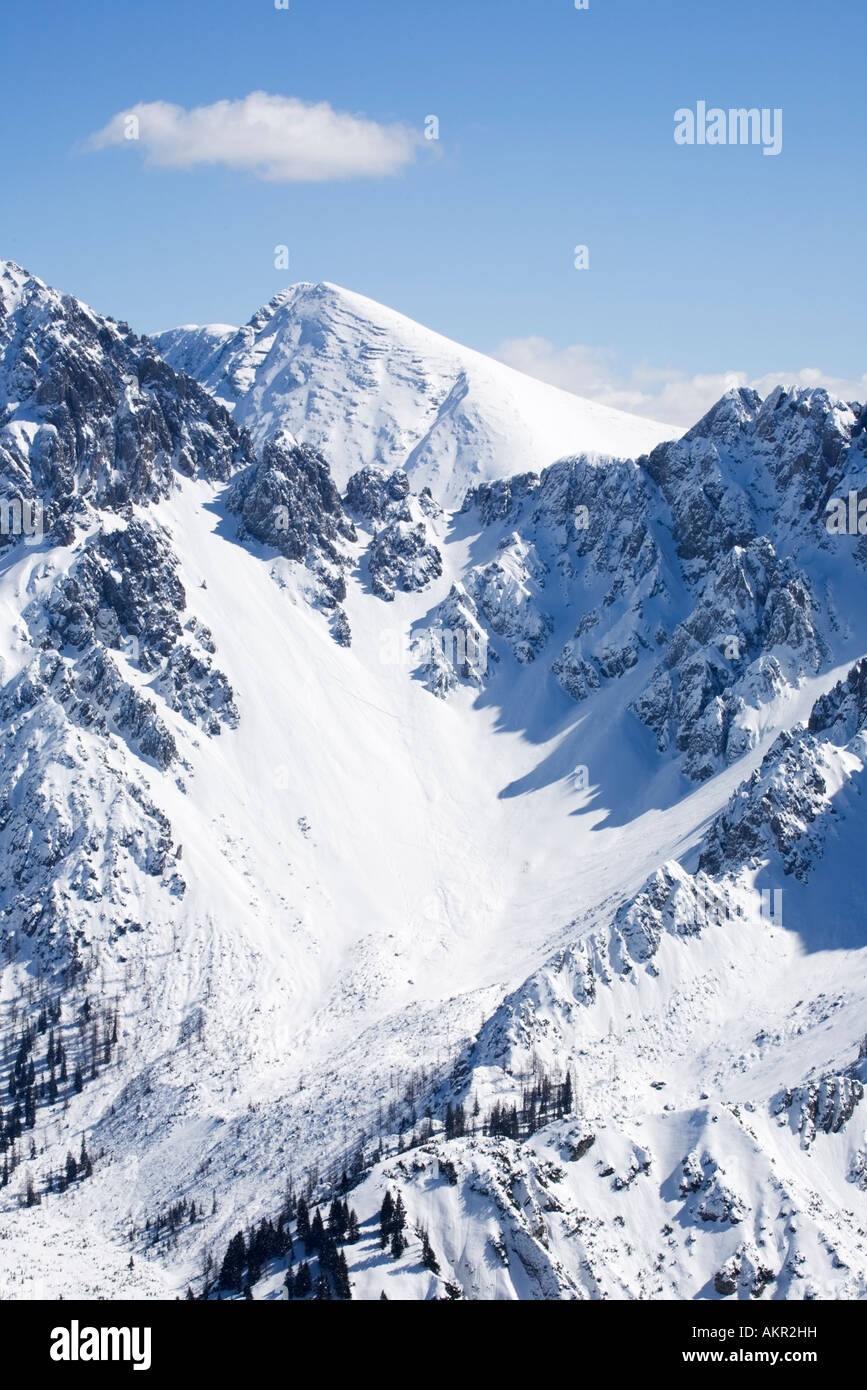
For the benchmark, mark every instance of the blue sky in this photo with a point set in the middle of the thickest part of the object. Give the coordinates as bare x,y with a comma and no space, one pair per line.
556,128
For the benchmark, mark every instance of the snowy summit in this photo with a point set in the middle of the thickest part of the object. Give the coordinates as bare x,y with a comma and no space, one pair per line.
366,385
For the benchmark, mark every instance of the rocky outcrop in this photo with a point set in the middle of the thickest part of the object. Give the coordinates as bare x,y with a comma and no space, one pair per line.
823,1106
782,805
288,501
403,555
91,416
123,593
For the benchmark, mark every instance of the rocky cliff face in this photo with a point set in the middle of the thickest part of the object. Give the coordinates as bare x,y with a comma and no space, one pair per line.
402,554
91,416
784,807
695,569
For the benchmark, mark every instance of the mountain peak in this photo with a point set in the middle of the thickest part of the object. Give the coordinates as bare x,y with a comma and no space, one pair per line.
17,285
370,387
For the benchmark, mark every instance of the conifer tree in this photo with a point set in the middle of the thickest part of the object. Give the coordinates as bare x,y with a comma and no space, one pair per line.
337,1220
428,1258
567,1095
399,1214
317,1230
303,1225
285,1245
234,1261
342,1286
386,1218
328,1254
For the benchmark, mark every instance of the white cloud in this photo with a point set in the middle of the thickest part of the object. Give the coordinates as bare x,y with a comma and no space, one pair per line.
280,139
658,393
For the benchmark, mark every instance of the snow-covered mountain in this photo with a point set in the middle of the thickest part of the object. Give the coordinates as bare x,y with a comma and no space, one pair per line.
502,856
366,385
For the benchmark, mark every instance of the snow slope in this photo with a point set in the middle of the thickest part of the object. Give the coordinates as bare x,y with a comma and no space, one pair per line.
281,886
366,385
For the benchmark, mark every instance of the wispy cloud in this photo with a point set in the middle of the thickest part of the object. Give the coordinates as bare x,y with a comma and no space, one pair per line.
276,138
662,394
